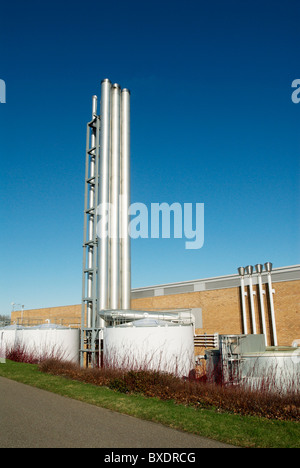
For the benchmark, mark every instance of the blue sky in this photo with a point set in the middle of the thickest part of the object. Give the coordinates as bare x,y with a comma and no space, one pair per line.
212,121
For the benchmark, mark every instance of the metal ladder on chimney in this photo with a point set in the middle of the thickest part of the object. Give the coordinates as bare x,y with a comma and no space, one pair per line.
89,330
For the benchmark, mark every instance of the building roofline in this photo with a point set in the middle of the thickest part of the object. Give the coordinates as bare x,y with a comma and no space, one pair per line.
279,274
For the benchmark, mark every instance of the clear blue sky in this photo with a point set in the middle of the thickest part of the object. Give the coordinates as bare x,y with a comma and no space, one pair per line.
212,122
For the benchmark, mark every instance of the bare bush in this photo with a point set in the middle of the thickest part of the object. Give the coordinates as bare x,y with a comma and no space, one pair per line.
194,391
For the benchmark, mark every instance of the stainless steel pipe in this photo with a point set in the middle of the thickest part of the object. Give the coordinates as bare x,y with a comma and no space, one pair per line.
259,269
114,239
241,271
249,271
106,283
104,194
268,267
123,316
125,264
114,265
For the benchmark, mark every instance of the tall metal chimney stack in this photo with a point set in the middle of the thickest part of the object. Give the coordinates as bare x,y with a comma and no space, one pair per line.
114,186
125,253
104,192
114,218
106,260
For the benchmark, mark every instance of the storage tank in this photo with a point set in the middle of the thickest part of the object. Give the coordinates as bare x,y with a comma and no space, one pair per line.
244,359
150,344
51,339
8,337
277,367
42,341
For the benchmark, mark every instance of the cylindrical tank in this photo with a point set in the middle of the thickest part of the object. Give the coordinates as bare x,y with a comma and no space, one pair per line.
8,336
43,341
276,369
150,344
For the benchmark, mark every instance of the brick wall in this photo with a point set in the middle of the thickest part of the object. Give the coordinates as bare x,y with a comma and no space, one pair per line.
64,315
221,310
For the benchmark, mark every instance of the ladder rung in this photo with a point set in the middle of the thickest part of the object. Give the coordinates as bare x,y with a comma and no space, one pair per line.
91,149
89,243
92,123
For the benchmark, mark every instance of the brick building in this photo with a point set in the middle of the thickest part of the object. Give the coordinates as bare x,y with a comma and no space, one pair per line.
216,303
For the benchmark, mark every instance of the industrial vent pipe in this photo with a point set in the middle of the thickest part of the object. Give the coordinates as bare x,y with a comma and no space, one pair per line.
241,271
268,267
249,271
259,269
114,252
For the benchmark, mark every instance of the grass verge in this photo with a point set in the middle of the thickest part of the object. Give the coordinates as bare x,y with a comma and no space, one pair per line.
243,431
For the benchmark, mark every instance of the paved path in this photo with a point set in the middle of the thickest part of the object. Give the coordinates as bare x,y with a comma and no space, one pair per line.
34,418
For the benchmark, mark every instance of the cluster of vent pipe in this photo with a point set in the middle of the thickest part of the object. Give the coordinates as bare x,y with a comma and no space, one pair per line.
106,284
248,270
114,263
114,251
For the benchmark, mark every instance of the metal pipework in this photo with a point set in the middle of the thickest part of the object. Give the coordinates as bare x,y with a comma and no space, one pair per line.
125,266
106,283
183,316
241,271
249,271
114,198
259,269
268,267
114,252
104,193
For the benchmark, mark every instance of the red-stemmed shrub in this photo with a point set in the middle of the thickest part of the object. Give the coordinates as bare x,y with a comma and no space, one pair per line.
196,391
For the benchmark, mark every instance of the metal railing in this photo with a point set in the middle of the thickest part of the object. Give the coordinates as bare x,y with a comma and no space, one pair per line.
73,322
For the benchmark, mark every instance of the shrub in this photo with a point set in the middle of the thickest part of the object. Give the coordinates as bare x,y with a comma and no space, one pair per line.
119,385
194,391
22,353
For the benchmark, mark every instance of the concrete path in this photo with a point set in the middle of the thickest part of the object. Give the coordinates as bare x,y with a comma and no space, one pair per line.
34,418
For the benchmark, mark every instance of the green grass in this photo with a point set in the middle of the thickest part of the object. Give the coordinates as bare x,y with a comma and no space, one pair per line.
243,431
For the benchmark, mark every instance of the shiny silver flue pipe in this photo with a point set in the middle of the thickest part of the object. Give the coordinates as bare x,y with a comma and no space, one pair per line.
104,193
114,180
114,264
241,271
183,316
249,271
259,269
268,267
125,264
